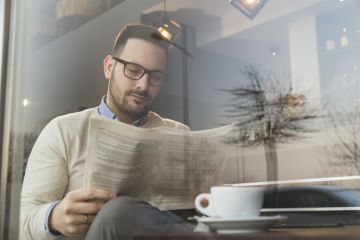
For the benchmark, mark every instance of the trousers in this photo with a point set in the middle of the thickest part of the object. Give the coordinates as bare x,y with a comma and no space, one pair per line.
125,217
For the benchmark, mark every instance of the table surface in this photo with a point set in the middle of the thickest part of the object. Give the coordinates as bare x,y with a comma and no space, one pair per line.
328,233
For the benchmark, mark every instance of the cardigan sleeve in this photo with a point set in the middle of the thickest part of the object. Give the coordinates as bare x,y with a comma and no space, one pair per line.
45,181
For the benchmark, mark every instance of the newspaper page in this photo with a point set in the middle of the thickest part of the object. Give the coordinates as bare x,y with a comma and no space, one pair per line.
165,166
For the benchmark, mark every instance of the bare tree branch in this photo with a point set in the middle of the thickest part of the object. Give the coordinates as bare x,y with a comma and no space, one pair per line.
266,112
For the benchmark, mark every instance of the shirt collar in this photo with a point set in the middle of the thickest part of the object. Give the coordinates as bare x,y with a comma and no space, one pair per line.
105,111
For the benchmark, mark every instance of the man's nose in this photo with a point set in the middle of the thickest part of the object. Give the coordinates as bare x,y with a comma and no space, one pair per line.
143,82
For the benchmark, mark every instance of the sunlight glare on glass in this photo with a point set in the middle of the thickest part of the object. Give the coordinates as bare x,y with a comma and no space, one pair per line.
25,102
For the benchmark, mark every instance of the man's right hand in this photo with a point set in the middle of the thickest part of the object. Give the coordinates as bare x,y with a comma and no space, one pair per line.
73,215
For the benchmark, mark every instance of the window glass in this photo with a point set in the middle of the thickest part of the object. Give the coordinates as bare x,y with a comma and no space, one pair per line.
285,77
349,196
313,199
290,200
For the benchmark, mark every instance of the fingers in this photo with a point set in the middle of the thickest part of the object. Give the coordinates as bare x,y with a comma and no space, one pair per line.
85,207
73,215
90,194
86,201
80,219
90,218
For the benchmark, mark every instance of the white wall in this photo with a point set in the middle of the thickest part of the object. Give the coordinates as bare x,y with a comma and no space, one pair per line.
304,57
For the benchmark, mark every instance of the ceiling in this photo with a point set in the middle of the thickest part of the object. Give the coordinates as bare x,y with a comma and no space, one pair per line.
222,29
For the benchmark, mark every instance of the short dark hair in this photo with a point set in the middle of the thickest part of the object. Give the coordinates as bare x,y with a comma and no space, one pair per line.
140,31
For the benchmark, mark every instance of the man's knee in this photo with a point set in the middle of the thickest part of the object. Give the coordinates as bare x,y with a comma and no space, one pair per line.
115,219
118,210
124,216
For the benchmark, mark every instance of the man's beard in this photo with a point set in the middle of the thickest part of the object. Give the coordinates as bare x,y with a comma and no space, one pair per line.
122,105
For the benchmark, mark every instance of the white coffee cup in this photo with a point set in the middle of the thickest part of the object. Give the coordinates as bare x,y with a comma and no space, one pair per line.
231,202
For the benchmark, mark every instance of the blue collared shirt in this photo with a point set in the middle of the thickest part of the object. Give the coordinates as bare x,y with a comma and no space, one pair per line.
105,111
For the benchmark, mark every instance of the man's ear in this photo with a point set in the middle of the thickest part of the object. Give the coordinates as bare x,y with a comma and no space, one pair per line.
108,65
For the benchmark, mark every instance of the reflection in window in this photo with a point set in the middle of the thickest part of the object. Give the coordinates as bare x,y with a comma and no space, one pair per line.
50,19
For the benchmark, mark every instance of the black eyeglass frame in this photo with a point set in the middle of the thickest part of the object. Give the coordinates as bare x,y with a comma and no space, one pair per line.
145,71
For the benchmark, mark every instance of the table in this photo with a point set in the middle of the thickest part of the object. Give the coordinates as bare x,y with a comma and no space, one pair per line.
328,233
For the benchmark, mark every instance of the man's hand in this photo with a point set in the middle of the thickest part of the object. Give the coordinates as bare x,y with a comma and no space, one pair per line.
73,215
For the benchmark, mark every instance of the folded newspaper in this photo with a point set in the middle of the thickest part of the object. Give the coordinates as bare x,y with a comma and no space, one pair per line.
165,166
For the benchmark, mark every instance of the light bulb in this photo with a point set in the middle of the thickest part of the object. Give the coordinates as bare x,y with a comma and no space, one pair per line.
251,3
165,33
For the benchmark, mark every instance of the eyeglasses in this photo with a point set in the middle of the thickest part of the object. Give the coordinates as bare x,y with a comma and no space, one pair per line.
135,72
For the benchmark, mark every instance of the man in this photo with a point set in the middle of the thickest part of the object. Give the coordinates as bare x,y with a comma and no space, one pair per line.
53,202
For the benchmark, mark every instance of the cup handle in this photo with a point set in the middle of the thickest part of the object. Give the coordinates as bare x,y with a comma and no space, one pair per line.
204,210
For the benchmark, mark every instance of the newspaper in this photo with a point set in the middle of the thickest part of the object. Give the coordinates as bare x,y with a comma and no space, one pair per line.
165,166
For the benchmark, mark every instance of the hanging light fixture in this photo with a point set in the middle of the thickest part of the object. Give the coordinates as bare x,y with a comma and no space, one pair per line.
170,30
250,8
168,27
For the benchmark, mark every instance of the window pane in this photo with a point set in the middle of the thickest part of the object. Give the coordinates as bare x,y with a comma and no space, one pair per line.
286,75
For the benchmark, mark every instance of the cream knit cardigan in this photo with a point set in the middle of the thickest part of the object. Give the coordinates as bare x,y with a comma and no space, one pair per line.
56,166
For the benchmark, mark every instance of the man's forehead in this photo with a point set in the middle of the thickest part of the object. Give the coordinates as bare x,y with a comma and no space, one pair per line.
140,51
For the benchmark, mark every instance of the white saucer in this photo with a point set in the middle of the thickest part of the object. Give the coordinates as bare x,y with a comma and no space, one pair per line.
240,225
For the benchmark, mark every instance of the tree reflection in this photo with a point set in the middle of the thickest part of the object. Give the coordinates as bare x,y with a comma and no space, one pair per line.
343,153
266,112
